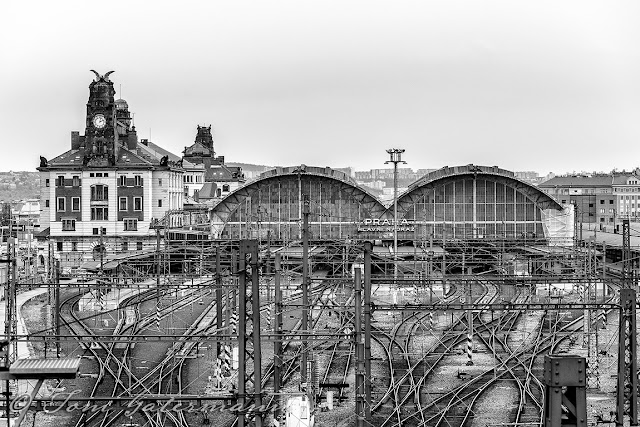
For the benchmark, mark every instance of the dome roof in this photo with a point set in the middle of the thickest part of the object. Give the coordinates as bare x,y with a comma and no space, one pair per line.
121,104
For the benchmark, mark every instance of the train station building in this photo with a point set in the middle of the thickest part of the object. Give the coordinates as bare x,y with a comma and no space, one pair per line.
452,203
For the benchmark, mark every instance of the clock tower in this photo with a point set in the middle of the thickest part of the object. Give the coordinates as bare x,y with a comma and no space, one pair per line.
101,137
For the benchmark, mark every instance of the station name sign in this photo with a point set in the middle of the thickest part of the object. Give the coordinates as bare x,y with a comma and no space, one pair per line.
371,225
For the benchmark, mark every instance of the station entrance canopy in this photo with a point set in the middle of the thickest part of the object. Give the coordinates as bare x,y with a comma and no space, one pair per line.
465,202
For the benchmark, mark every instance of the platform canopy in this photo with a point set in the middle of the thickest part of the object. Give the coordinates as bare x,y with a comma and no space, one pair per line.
45,368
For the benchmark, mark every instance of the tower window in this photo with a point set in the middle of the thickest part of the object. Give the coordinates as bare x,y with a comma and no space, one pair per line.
46,182
160,203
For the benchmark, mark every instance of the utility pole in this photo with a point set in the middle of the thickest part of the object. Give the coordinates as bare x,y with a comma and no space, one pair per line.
57,308
248,271
305,290
359,347
277,350
627,387
218,299
368,249
395,158
157,227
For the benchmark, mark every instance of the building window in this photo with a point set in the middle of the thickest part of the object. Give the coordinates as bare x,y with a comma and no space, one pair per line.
125,246
601,219
137,203
91,175
590,205
75,204
611,201
60,181
123,181
106,175
123,204
95,231
130,224
610,210
138,181
68,224
602,202
74,246
46,182
159,182
61,203
46,203
602,210
76,181
99,192
98,174
139,246
59,246
160,203
99,214
225,187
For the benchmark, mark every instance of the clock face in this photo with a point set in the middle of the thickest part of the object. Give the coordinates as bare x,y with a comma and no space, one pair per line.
99,121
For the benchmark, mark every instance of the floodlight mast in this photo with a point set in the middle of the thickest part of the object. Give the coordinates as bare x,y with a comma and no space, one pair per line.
395,158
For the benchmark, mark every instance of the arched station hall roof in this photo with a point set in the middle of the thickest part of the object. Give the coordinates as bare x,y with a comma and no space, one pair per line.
225,208
415,191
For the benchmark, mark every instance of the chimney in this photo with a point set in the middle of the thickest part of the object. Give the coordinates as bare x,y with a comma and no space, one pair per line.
132,139
75,140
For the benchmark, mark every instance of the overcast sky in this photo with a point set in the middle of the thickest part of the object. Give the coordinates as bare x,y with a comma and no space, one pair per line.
524,85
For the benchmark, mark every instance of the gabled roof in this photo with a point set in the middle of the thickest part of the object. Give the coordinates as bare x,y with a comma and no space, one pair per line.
159,151
197,148
208,191
144,156
578,181
223,173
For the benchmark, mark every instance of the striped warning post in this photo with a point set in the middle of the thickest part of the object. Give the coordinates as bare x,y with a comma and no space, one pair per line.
217,372
225,360
603,319
432,321
158,314
267,315
233,321
469,350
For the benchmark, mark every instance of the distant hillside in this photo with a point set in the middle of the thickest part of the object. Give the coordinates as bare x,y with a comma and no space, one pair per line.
19,186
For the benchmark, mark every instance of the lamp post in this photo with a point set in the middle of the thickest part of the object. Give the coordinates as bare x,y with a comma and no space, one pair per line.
395,158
